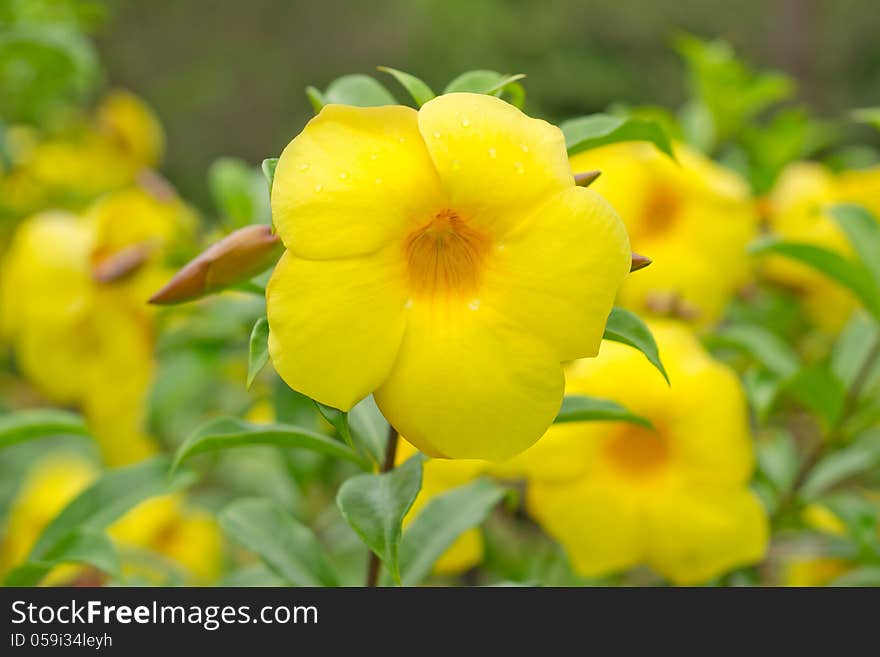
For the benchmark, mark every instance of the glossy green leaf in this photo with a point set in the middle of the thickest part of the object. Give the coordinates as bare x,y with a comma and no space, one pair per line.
286,546
819,390
859,457
230,432
578,408
588,132
765,347
420,92
316,99
375,505
269,165
21,426
626,327
489,82
369,429
106,500
358,90
258,349
339,420
869,115
237,191
863,232
851,275
440,523
853,352
89,548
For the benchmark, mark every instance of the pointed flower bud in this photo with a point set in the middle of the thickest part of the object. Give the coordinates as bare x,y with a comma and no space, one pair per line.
121,264
239,256
639,262
586,178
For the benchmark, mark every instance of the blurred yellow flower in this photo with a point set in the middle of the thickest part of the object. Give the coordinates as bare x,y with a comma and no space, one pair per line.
190,538
445,260
796,211
616,495
73,307
438,477
814,571
131,125
692,218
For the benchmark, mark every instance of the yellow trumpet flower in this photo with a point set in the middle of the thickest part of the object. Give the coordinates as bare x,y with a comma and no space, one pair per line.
444,260
797,211
73,295
693,218
617,495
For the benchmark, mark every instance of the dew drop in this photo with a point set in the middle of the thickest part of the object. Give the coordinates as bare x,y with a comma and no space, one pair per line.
525,149
402,140
343,175
520,169
493,153
303,167
374,156
319,187
465,123
378,181
474,304
436,135
408,304
456,165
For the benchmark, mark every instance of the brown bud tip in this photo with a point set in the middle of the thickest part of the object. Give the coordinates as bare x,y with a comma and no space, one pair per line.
639,262
586,178
121,264
154,184
237,257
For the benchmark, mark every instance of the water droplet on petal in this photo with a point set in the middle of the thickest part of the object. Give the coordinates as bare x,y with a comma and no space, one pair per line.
378,181
525,149
402,140
436,135
303,167
474,304
319,187
456,165
408,304
374,156
343,175
520,169
465,123
493,153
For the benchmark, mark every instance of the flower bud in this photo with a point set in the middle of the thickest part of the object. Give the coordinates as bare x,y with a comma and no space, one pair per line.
586,178
239,256
121,264
639,262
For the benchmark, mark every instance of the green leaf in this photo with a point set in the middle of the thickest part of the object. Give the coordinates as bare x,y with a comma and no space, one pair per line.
358,90
269,165
863,232
861,456
626,327
778,462
316,98
375,505
21,426
339,420
596,130
852,276
869,115
420,92
861,576
230,432
237,191
285,545
102,503
481,82
819,390
440,523
369,428
577,408
85,547
762,389
852,352
765,347
258,350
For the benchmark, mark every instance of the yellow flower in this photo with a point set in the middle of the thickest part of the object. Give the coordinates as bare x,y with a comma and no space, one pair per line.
73,306
131,125
796,210
692,218
438,477
616,495
190,538
444,260
814,571
164,525
48,487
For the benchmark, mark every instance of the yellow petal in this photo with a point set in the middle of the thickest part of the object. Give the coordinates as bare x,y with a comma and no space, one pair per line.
469,384
351,182
493,159
599,525
698,532
558,273
335,325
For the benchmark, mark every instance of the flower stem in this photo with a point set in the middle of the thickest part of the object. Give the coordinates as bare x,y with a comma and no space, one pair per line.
388,465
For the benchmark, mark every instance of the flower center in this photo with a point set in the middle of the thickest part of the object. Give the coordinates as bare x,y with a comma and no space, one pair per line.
637,452
445,256
660,211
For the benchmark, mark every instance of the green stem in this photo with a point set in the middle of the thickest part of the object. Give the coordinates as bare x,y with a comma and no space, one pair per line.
387,466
